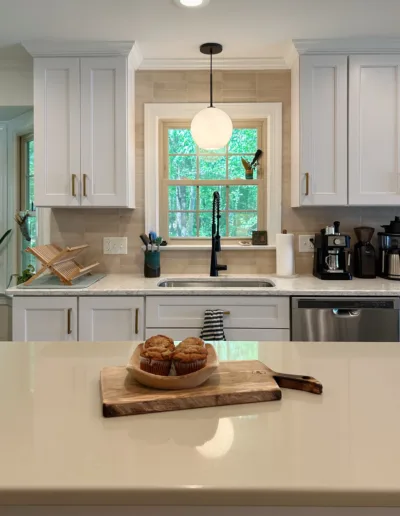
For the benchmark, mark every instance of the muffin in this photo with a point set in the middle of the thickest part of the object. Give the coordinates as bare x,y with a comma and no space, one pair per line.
156,360
189,359
159,341
191,341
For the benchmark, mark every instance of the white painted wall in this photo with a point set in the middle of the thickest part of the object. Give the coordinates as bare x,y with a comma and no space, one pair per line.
16,83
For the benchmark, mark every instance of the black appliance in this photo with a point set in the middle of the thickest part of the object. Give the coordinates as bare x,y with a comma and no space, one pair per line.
389,246
364,253
331,257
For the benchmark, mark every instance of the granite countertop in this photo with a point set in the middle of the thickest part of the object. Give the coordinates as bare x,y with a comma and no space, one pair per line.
338,449
136,285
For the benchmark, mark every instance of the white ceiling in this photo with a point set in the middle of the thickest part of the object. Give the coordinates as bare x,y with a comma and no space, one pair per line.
246,28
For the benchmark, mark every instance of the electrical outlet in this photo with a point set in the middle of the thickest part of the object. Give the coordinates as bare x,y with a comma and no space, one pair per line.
305,243
115,245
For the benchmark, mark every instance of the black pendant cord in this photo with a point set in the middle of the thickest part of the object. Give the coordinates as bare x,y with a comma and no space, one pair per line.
211,78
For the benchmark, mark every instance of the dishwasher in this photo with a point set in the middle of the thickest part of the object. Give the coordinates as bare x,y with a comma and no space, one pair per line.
345,319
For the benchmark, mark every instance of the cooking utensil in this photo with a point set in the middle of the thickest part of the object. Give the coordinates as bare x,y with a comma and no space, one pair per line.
145,239
158,243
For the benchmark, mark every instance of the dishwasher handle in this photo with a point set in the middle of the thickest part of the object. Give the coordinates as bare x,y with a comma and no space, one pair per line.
345,313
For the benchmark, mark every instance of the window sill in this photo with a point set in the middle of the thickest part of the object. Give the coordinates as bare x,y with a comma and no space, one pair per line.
226,247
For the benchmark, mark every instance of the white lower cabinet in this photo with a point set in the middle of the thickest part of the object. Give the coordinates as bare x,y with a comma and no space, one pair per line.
111,319
247,317
123,318
45,319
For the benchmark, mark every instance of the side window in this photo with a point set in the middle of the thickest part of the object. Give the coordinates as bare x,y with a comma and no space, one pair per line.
27,163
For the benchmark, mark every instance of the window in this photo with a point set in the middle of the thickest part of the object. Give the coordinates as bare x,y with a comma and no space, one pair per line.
27,197
190,175
159,117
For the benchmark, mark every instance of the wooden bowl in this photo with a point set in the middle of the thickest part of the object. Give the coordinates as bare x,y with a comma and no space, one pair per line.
171,383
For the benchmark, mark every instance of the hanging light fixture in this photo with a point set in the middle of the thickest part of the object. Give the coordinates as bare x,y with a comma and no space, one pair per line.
211,128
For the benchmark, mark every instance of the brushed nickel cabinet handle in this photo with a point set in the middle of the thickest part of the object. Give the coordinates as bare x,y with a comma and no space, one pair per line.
84,185
73,185
69,327
137,321
307,183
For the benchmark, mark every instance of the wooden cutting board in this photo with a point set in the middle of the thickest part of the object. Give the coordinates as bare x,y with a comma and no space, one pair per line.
234,383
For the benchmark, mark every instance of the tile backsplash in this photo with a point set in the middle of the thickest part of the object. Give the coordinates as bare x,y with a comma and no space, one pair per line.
77,226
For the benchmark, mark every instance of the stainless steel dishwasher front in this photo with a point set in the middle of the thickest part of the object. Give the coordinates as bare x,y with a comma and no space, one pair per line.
345,319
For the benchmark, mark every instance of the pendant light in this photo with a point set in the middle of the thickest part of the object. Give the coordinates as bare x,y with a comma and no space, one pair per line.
211,128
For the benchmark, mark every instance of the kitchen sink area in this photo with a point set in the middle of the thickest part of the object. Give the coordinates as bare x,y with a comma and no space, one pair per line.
216,283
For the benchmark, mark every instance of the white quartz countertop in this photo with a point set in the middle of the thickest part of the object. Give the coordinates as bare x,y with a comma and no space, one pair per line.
338,449
135,285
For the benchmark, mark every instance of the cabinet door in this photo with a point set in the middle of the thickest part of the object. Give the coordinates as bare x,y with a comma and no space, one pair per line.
374,132
231,334
323,131
57,131
241,311
104,90
45,319
111,319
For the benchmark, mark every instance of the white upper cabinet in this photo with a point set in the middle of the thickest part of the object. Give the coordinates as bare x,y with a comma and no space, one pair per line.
84,125
319,131
57,132
374,132
104,152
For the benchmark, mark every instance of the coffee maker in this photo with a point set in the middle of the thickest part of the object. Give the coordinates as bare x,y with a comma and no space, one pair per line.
389,250
331,259
364,253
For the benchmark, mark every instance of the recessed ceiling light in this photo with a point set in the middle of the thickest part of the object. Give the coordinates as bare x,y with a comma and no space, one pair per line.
192,3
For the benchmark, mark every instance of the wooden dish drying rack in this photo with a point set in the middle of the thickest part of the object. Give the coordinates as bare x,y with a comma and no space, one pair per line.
60,262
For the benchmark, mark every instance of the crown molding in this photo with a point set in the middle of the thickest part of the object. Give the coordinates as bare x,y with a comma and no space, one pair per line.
365,45
199,63
290,55
60,48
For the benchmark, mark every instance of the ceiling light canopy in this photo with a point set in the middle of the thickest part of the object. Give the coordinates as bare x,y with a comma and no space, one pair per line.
192,3
211,127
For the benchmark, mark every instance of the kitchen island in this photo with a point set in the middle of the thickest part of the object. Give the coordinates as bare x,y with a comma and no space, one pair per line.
341,449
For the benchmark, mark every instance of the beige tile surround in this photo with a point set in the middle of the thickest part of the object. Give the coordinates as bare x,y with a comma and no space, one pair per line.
76,226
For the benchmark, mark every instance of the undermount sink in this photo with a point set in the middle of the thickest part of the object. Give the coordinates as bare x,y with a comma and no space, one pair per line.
216,283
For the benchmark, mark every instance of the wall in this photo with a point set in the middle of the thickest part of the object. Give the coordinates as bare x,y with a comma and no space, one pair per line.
16,79
72,227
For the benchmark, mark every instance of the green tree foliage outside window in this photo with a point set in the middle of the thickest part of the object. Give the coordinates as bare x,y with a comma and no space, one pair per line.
190,204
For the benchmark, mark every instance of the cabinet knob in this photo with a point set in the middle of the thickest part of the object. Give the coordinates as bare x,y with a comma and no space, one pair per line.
137,321
73,178
69,326
307,183
84,185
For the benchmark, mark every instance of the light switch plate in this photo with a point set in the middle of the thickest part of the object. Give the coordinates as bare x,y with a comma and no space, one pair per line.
115,245
305,244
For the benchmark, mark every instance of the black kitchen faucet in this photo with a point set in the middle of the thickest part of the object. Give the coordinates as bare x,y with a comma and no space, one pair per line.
215,237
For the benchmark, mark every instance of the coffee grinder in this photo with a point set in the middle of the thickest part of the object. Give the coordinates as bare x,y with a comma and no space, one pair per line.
364,253
331,259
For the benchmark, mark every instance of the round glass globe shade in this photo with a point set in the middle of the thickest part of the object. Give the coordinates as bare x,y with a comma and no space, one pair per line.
211,128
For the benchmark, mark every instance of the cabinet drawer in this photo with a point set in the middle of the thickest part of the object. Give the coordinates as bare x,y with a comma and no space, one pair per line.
231,334
244,312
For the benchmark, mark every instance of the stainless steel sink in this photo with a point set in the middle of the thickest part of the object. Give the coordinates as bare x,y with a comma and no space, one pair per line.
217,283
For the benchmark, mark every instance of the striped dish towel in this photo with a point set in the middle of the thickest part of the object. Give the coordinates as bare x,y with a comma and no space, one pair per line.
213,327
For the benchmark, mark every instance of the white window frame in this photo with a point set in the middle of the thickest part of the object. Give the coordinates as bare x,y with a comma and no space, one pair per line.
271,112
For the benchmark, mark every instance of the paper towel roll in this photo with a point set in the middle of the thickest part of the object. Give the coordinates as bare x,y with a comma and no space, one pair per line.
285,254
